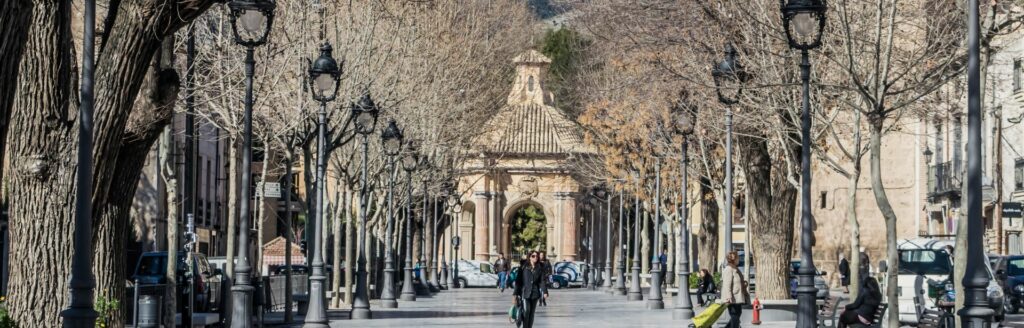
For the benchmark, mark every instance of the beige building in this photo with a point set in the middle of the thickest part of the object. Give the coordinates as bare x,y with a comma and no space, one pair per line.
524,156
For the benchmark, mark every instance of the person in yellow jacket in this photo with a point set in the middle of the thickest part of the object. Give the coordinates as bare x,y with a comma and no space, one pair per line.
734,290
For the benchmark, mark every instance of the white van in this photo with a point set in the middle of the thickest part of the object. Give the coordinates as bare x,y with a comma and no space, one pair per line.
924,260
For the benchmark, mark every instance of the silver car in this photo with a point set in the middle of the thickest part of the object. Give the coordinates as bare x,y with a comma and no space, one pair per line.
476,274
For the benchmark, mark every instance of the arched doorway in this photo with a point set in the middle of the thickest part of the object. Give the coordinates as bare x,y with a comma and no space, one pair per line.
527,230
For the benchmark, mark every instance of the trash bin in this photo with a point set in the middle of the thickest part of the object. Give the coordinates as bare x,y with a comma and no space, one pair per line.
149,311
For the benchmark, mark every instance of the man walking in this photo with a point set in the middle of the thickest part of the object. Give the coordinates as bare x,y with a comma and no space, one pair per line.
844,273
502,268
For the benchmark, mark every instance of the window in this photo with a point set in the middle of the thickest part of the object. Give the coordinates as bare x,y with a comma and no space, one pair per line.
529,83
824,199
1018,174
1016,74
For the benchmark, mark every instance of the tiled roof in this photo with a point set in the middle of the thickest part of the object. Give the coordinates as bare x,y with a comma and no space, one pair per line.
532,128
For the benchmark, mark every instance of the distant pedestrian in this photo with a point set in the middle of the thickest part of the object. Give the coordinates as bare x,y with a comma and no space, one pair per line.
844,273
734,289
502,267
530,287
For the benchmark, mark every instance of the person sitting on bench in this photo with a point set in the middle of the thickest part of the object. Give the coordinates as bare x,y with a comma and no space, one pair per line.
862,310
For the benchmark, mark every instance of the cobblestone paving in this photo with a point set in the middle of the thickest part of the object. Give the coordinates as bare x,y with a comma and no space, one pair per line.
485,307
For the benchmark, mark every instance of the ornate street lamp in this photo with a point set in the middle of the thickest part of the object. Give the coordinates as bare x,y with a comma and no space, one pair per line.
324,77
804,22
587,273
601,193
729,77
409,162
594,273
976,312
392,141
654,300
250,22
364,114
620,281
684,126
635,293
455,208
446,279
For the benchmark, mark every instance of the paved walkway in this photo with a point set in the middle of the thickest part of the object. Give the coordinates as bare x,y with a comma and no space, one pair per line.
485,307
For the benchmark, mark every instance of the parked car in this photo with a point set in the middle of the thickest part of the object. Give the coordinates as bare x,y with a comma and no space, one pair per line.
1009,271
476,274
152,266
558,282
819,280
571,271
924,263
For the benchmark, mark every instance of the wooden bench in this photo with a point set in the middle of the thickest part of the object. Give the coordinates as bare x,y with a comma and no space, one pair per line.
827,312
932,319
877,322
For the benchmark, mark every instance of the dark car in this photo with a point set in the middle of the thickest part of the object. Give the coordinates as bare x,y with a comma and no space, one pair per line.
558,281
794,265
152,266
1009,272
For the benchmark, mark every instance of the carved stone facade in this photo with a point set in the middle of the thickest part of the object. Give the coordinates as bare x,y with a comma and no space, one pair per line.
523,156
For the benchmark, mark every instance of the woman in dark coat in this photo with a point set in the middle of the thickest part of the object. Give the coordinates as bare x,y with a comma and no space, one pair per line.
530,287
862,310
705,285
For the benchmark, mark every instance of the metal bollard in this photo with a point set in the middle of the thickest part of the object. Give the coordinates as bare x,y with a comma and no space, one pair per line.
148,311
135,309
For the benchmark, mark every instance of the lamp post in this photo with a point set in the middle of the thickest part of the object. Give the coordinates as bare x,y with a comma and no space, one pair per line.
82,285
594,272
586,243
409,161
430,223
976,312
729,77
654,300
683,304
620,281
251,21
364,115
635,293
324,77
455,204
804,22
446,279
391,138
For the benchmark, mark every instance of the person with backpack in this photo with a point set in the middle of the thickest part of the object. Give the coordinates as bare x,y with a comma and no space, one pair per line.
530,288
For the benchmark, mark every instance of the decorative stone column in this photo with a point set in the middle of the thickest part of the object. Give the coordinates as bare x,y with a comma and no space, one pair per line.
567,204
480,239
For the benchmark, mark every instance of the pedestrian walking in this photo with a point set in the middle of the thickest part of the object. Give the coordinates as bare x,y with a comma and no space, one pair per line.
530,287
548,271
844,273
502,267
734,289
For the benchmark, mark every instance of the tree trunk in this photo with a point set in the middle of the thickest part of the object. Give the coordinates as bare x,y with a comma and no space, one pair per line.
851,216
234,173
887,212
167,164
341,213
39,173
645,239
14,16
773,209
350,251
707,240
153,113
261,213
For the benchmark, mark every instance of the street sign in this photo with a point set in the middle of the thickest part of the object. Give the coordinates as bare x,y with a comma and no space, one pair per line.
269,189
1012,210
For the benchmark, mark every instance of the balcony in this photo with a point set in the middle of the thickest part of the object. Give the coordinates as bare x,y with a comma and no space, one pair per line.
944,181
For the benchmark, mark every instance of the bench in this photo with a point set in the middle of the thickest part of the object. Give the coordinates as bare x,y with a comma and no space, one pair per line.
827,312
879,315
932,319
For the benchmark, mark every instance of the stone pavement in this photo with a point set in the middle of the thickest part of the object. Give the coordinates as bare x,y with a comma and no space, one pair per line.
485,307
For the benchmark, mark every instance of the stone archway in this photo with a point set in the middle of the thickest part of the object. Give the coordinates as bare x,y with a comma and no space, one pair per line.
525,227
